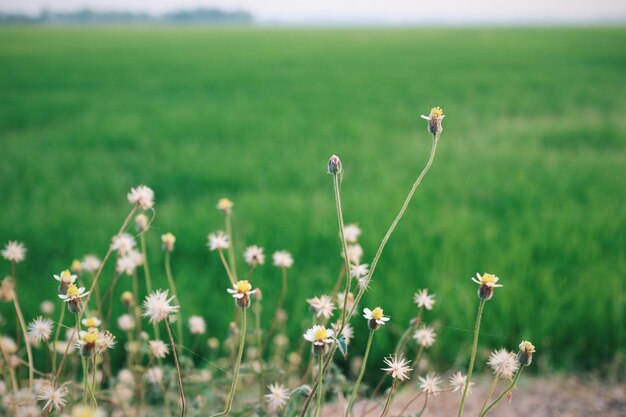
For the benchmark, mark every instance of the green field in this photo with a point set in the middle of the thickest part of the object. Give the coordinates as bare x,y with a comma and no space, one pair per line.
529,181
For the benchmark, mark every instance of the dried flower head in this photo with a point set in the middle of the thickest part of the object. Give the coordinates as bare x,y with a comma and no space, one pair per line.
355,253
14,251
241,293
141,223
487,282
424,300
434,120
397,367
106,341
168,241
334,165
40,329
197,325
359,271
503,364
128,263
375,317
142,196
430,384
525,354
457,382
157,306
322,306
425,336
351,233
254,256
341,300
159,349
278,396
282,259
320,337
91,263
225,205
218,241
54,398
123,243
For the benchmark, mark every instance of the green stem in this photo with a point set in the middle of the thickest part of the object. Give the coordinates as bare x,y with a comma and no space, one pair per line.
146,267
360,378
509,388
493,387
93,383
231,247
180,380
259,334
473,355
231,277
345,252
170,280
231,394
29,352
388,402
320,391
56,338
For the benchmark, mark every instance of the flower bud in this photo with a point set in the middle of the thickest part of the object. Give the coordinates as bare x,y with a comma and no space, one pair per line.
141,223
168,240
76,266
334,165
525,354
127,298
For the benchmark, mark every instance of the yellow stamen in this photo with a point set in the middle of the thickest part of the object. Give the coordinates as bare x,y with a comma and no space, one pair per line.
72,291
488,279
66,275
320,334
243,286
76,265
436,112
377,313
90,337
91,322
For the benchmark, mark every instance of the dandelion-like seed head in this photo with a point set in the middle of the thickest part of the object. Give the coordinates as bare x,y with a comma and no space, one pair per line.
525,354
142,196
241,293
282,259
40,329
355,253
123,243
254,255
424,300
197,325
105,341
503,364
425,336
322,306
487,283
218,241
157,306
457,382
159,349
53,398
47,307
397,367
14,251
278,396
126,322
351,233
359,271
430,384
91,263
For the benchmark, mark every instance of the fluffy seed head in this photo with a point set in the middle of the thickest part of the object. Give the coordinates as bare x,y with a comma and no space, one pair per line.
424,300
254,256
40,329
503,364
282,259
197,325
397,367
142,196
278,396
14,251
157,306
430,384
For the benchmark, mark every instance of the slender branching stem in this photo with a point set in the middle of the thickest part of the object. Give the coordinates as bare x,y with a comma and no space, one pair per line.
56,337
491,389
355,391
506,391
231,247
320,391
146,266
233,387
344,246
29,352
481,306
389,398
419,394
180,380
172,284
231,277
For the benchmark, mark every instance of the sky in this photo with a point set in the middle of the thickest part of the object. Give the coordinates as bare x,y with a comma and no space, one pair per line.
365,11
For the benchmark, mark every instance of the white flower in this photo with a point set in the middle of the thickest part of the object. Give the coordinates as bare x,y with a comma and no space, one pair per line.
278,396
7,345
159,349
125,376
106,341
154,375
355,252
423,299
91,263
398,367
351,233
126,322
142,196
197,325
73,293
127,264
503,364
47,307
54,398
376,315
430,384
218,240
123,243
158,306
14,251
457,382
40,329
241,290
487,282
322,305
319,335
434,120
254,255
359,271
425,336
282,259
66,278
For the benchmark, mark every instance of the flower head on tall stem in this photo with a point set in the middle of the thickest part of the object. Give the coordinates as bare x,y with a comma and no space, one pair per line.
351,233
278,396
282,259
503,364
168,240
73,297
322,306
525,355
434,120
375,317
397,367
126,322
7,289
123,243
218,241
54,398
197,325
487,282
158,349
158,307
430,383
141,223
225,205
254,255
359,271
91,263
106,341
424,300
65,278
90,322
425,336
320,336
334,165
355,253
457,382
76,267
241,293
142,196
40,329
14,251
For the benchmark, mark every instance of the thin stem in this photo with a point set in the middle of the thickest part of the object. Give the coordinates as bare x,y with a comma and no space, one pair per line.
279,306
136,307
361,373
320,391
259,335
226,267
180,381
473,355
419,394
11,371
231,394
146,267
493,387
366,411
170,280
231,248
29,352
345,251
92,389
509,388
56,337
388,402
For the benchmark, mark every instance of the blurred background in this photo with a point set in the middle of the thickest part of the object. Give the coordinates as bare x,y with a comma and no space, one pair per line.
247,100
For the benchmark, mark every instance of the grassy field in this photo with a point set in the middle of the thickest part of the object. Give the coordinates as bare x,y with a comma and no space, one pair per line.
529,181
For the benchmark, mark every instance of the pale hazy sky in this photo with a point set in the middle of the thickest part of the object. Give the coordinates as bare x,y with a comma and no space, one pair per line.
382,11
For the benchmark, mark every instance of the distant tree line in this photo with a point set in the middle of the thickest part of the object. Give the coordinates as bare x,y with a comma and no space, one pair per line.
87,16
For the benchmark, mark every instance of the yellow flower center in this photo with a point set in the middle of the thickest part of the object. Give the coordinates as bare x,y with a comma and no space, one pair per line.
224,204
72,291
91,322
320,334
66,276
76,265
377,313
243,286
436,112
527,347
488,279
90,337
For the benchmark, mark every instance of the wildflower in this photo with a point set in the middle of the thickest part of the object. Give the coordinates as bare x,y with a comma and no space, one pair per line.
425,336
323,306
423,299
487,283
320,337
154,375
355,253
278,396
65,280
359,271
7,289
105,341
87,341
158,306
14,251
241,293
91,263
225,205
73,297
40,329
159,349
127,298
126,322
334,165
141,223
434,120
430,384
457,382
47,307
398,367
54,398
90,322
525,355
503,364
7,345
375,317
197,325
351,233
123,243
127,264
218,240
76,266
282,259
341,300
168,241
142,196
254,255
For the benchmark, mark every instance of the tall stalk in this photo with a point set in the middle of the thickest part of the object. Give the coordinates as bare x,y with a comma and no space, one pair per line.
355,391
509,388
481,306
29,352
180,380
170,280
